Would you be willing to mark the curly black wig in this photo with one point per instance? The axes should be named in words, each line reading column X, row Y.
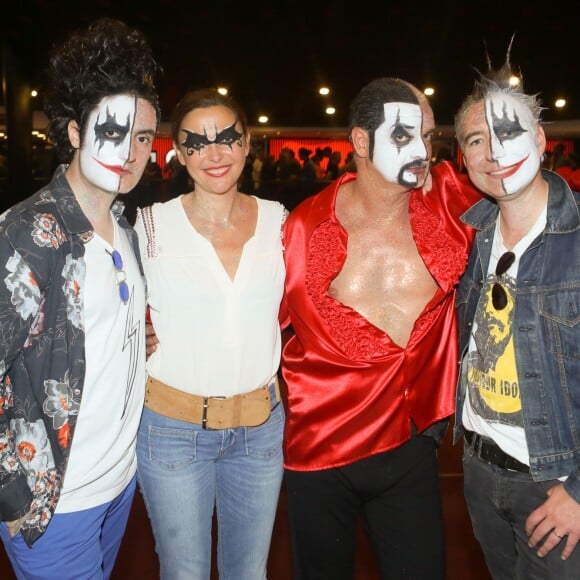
column 107, row 58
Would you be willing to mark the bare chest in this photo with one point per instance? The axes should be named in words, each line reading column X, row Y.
column 385, row 279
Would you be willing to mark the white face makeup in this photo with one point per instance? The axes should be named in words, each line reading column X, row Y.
column 117, row 142
column 512, row 141
column 400, row 154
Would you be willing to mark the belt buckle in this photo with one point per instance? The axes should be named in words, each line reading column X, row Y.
column 205, row 407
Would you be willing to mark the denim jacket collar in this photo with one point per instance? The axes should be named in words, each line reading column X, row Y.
column 563, row 214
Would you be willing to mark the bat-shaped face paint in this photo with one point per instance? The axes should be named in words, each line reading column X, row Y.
column 512, row 141
column 227, row 138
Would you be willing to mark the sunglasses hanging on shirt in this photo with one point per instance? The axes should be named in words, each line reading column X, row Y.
column 499, row 297
column 120, row 275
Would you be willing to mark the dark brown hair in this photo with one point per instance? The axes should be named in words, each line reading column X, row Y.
column 108, row 58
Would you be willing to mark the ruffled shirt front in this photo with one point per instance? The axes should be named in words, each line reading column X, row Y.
column 352, row 391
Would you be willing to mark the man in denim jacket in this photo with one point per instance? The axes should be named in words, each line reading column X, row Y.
column 518, row 402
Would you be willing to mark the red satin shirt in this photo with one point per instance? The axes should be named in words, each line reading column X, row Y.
column 351, row 390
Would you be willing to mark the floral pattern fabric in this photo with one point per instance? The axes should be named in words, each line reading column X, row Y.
column 42, row 365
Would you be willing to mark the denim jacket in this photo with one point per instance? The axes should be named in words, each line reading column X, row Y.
column 546, row 330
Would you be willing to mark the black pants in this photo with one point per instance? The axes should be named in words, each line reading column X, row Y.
column 397, row 495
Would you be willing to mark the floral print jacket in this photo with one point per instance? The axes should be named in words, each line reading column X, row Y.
column 42, row 365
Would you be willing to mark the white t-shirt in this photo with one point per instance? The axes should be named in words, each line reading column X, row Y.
column 102, row 458
column 217, row 336
column 493, row 405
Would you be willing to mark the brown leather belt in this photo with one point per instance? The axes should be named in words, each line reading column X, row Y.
column 245, row 410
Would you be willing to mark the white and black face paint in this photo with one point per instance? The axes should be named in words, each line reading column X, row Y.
column 512, row 141
column 400, row 153
column 107, row 143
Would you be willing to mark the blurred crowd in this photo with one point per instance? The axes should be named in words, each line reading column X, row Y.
column 288, row 179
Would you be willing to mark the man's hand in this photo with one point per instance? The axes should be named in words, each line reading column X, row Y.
column 557, row 520
column 151, row 340
column 428, row 184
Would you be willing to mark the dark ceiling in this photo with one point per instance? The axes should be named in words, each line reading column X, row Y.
column 273, row 55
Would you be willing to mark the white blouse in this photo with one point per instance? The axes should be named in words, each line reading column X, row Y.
column 217, row 336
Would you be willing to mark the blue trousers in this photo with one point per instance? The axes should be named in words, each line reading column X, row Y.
column 76, row 546
column 185, row 472
column 499, row 502
column 396, row 494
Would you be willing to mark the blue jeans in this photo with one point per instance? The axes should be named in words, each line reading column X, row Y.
column 76, row 546
column 184, row 471
column 499, row 502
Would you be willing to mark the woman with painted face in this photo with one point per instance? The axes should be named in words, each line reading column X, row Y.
column 211, row 432
column 518, row 304
column 72, row 298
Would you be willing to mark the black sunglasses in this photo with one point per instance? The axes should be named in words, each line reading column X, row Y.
column 498, row 293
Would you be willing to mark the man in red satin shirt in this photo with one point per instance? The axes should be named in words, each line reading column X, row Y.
column 371, row 367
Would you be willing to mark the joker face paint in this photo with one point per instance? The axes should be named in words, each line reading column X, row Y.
column 512, row 141
column 401, row 153
column 117, row 142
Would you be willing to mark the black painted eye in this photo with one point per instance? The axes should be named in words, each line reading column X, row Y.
column 506, row 129
column 401, row 136
column 111, row 130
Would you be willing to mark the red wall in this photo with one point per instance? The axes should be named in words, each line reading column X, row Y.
column 162, row 146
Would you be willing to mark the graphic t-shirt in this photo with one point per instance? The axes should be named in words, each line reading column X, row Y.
column 493, row 405
column 102, row 459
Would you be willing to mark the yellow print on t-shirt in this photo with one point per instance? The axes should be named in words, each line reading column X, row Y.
column 492, row 374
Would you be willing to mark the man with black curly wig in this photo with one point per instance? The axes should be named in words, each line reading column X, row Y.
column 72, row 315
